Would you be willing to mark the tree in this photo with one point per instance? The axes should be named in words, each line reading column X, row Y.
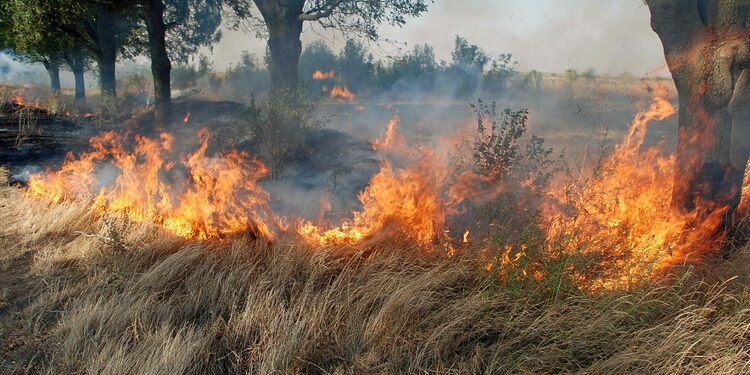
column 316, row 56
column 283, row 21
column 32, row 41
column 415, row 71
column 180, row 27
column 355, row 66
column 467, row 67
column 707, row 47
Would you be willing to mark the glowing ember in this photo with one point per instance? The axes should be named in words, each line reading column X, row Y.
column 196, row 196
column 186, row 119
column 342, row 93
column 318, row 75
column 466, row 237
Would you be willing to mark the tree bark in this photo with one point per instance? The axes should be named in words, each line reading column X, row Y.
column 706, row 45
column 107, row 54
column 161, row 66
column 76, row 61
column 284, row 24
column 80, row 80
column 53, row 70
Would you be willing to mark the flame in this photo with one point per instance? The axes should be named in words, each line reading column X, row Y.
column 196, row 196
column 622, row 217
column 342, row 93
column 318, row 75
column 619, row 219
column 404, row 202
column 186, row 119
column 390, row 138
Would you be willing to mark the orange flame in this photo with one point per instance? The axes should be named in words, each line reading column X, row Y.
column 318, row 75
column 623, row 217
column 198, row 196
column 342, row 93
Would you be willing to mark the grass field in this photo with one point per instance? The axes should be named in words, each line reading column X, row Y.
column 88, row 295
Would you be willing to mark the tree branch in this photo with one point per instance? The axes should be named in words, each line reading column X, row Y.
column 320, row 13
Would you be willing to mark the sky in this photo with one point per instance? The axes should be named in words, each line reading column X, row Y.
column 610, row 36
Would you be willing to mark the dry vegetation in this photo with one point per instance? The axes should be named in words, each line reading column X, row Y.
column 83, row 294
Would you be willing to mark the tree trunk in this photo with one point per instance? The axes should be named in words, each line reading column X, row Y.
column 53, row 70
column 76, row 62
column 107, row 56
column 161, row 66
column 80, row 82
column 284, row 45
column 706, row 47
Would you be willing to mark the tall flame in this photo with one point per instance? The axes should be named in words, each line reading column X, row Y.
column 622, row 217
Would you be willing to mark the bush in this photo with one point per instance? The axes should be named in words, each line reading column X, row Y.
column 278, row 126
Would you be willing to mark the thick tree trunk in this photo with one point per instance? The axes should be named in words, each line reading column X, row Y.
column 161, row 66
column 706, row 47
column 284, row 45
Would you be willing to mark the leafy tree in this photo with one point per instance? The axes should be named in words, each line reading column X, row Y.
column 179, row 27
column 417, row 70
column 355, row 65
column 33, row 40
column 283, row 22
column 467, row 67
column 497, row 78
column 316, row 56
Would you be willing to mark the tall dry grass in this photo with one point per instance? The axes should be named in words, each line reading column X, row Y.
column 169, row 306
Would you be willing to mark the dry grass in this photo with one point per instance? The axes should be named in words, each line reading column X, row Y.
column 167, row 306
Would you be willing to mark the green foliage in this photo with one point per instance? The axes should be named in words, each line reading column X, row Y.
column 316, row 56
column 360, row 17
column 185, row 76
column 417, row 70
column 498, row 78
column 246, row 78
column 355, row 66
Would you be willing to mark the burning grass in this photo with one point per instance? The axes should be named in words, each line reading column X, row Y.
column 611, row 229
column 454, row 264
column 171, row 305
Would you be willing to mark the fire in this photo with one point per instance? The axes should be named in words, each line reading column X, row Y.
column 622, row 218
column 196, row 196
column 404, row 202
column 342, row 93
column 391, row 138
column 618, row 220
column 186, row 119
column 318, row 75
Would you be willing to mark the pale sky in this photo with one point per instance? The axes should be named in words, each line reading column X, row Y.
column 610, row 36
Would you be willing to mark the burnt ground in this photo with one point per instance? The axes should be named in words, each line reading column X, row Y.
column 32, row 138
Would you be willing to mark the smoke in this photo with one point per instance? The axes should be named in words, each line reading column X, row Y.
column 14, row 72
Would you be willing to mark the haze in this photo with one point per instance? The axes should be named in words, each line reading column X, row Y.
column 610, row 36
